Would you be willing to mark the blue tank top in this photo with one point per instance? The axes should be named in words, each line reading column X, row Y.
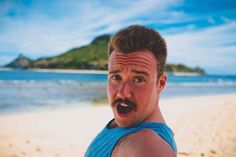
column 106, row 140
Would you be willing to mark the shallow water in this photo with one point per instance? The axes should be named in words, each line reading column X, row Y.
column 28, row 90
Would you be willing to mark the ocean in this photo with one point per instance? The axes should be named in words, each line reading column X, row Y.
column 23, row 91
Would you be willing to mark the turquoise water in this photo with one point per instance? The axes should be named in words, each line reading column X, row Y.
column 37, row 76
column 28, row 90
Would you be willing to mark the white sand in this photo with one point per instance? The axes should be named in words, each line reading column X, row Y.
column 203, row 126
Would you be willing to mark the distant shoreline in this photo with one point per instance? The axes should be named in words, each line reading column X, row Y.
column 186, row 74
column 6, row 69
column 86, row 71
column 81, row 71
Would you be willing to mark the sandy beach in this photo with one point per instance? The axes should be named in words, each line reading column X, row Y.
column 204, row 126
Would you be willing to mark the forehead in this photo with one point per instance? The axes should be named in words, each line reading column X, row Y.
column 139, row 59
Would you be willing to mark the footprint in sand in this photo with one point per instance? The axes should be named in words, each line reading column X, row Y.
column 183, row 153
column 10, row 145
column 23, row 153
column 213, row 151
column 213, row 139
column 38, row 149
column 57, row 155
column 234, row 139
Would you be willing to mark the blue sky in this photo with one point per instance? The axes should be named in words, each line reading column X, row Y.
column 197, row 32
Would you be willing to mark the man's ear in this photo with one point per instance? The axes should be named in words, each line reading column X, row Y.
column 162, row 82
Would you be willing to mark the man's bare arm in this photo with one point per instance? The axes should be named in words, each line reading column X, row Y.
column 142, row 144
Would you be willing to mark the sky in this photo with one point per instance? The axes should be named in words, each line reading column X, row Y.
column 198, row 32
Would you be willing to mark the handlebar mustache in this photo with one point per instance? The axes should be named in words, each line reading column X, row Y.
column 126, row 101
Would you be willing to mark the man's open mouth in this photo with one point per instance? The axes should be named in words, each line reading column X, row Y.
column 124, row 108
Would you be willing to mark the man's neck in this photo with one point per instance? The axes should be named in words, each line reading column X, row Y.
column 155, row 116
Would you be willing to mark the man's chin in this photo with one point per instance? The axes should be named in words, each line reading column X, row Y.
column 124, row 120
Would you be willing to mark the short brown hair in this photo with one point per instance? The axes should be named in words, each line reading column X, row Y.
column 138, row 38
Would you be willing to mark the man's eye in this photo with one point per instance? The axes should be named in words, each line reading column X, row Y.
column 116, row 77
column 138, row 80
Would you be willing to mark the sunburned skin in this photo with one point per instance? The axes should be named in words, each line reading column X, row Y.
column 134, row 77
column 144, row 143
column 144, row 60
column 133, row 92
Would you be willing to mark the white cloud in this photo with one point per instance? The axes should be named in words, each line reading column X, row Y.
column 42, row 35
column 207, row 47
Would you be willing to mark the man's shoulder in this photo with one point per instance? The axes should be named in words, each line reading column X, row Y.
column 143, row 143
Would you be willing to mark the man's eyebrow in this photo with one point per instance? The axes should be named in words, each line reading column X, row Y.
column 140, row 72
column 114, row 71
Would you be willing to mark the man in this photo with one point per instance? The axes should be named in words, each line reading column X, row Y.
column 136, row 77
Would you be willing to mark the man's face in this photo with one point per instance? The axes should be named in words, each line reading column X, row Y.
column 132, row 87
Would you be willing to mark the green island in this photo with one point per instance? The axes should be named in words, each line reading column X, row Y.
column 90, row 57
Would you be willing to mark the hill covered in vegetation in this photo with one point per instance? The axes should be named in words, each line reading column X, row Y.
column 92, row 56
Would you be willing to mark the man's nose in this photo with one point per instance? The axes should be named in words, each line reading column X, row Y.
column 124, row 90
